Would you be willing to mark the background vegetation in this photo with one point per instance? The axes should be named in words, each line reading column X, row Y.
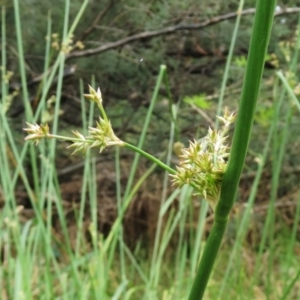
column 56, row 240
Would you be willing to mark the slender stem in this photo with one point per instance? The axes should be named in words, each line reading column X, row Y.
column 123, row 144
column 256, row 57
column 159, row 81
column 150, row 157
column 155, row 160
column 101, row 108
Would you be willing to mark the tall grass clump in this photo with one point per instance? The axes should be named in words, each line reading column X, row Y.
column 41, row 262
column 203, row 164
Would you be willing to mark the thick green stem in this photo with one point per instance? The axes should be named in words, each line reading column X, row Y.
column 205, row 268
column 256, row 58
column 255, row 65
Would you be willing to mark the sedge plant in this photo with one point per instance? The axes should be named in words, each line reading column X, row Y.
column 202, row 164
column 255, row 64
column 208, row 164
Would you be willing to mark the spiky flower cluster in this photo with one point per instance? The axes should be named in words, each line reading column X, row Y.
column 37, row 132
column 204, row 162
column 100, row 136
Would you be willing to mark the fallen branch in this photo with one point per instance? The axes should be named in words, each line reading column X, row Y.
column 172, row 29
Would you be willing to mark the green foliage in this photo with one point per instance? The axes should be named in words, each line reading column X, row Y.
column 198, row 100
column 241, row 61
column 264, row 114
column 72, row 245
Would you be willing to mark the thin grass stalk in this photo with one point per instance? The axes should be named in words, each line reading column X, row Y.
column 288, row 290
column 22, row 172
column 174, row 111
column 103, row 257
column 77, row 18
column 179, row 287
column 126, row 204
column 83, row 200
column 87, row 170
column 27, row 242
column 26, row 103
column 144, row 131
column 47, row 51
column 94, row 208
column 43, row 108
column 228, row 60
column 289, row 89
column 151, row 289
column 138, row 153
column 198, row 238
column 169, row 229
column 66, row 245
column 169, row 201
column 26, row 100
column 278, row 153
column 85, row 180
column 191, row 232
column 94, row 225
column 110, row 241
column 135, row 264
column 172, row 107
column 256, row 57
column 243, row 226
column 53, row 186
column 93, row 198
column 59, row 82
column 43, row 162
column 293, row 68
column 292, row 240
column 4, row 87
column 119, row 206
column 181, row 230
column 83, row 109
column 22, row 261
column 271, row 207
column 48, row 78
column 295, row 59
column 289, row 284
column 5, row 176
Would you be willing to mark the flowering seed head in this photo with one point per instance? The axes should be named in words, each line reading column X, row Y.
column 94, row 96
column 204, row 163
column 37, row 132
column 80, row 146
column 103, row 135
column 100, row 136
column 227, row 118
